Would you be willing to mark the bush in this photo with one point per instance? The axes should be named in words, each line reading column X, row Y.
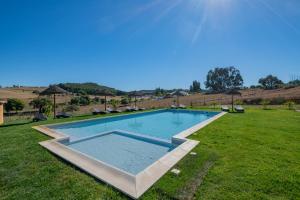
column 14, row 105
column 44, row 105
column 102, row 101
column 96, row 100
column 238, row 102
column 124, row 101
column 290, row 105
column 265, row 103
column 82, row 100
column 114, row 103
column 213, row 104
column 36, row 92
column 71, row 108
column 255, row 101
column 75, row 101
column 278, row 101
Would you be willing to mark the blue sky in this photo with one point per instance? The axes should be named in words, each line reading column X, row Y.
column 143, row 44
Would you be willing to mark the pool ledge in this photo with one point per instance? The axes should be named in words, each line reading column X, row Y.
column 132, row 185
column 199, row 126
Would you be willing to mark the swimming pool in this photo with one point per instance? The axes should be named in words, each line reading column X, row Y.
column 162, row 124
column 130, row 152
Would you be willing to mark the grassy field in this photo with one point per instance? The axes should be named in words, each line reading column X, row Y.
column 241, row 156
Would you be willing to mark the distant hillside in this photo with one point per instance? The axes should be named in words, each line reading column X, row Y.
column 88, row 88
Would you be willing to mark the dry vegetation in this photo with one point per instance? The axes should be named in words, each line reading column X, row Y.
column 249, row 94
column 26, row 94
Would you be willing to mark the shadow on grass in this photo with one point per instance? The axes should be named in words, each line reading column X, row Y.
column 233, row 112
column 15, row 124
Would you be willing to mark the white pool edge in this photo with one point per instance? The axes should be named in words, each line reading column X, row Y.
column 132, row 185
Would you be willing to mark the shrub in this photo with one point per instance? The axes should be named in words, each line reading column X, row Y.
column 36, row 92
column 278, row 101
column 290, row 105
column 213, row 104
column 265, row 103
column 71, row 108
column 75, row 101
column 192, row 105
column 44, row 105
column 124, row 101
column 238, row 102
column 96, row 100
column 102, row 101
column 14, row 105
column 114, row 103
column 82, row 100
column 255, row 101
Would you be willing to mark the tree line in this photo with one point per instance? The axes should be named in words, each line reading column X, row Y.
column 221, row 79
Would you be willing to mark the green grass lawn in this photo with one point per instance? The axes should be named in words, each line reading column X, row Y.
column 255, row 155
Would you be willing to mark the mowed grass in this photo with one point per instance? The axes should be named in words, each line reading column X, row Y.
column 255, row 155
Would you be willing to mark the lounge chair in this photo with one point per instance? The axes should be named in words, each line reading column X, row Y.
column 97, row 111
column 225, row 108
column 63, row 115
column 142, row 109
column 182, row 106
column 39, row 117
column 135, row 109
column 114, row 110
column 239, row 109
column 128, row 109
column 173, row 106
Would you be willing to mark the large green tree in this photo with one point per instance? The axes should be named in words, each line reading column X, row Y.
column 221, row 79
column 270, row 82
column 195, row 87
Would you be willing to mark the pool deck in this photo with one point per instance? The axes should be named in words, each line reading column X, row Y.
column 132, row 185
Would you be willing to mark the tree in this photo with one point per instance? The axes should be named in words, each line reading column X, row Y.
column 124, row 101
column 14, row 105
column 270, row 82
column 44, row 105
column 159, row 92
column 75, row 101
column 195, row 87
column 295, row 82
column 115, row 103
column 221, row 79
column 82, row 100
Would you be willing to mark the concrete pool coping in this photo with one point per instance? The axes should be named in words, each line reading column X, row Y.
column 132, row 185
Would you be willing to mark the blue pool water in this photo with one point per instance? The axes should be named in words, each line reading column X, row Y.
column 124, row 151
column 160, row 124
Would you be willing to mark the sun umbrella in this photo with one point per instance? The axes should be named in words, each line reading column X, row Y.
column 233, row 92
column 104, row 93
column 135, row 94
column 177, row 93
column 53, row 90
